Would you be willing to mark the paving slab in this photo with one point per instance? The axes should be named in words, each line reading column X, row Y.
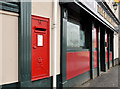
column 108, row 79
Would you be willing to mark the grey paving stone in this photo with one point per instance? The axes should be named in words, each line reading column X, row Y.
column 108, row 79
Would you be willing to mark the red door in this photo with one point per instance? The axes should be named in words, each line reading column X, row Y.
column 40, row 47
column 106, row 46
column 95, row 46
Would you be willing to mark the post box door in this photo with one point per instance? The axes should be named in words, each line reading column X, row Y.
column 40, row 48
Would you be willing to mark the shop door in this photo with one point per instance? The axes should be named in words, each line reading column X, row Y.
column 94, row 50
column 99, row 63
column 106, row 51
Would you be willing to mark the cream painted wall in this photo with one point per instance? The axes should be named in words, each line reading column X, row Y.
column 45, row 9
column 116, row 46
column 110, row 4
column 0, row 49
column 9, row 43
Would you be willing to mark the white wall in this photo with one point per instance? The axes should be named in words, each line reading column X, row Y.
column 9, row 47
column 110, row 4
column 116, row 46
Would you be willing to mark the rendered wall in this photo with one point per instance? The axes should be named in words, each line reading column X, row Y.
column 9, row 47
column 116, row 46
column 45, row 9
column 0, row 49
column 110, row 4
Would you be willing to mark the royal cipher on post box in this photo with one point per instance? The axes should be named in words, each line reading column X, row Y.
column 40, row 47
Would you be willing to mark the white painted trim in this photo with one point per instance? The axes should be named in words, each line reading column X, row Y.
column 9, row 82
column 50, row 48
column 41, row 15
column 55, row 43
column 8, row 13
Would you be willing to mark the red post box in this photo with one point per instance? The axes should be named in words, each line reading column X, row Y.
column 40, row 47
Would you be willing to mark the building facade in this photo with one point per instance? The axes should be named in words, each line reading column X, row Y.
column 39, row 52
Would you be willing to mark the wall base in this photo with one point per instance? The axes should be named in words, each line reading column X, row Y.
column 77, row 81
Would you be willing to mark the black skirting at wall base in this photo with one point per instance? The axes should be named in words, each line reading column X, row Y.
column 107, row 65
column 10, row 86
column 95, row 72
column 116, row 61
column 59, row 80
column 76, row 81
column 42, row 83
column 110, row 64
column 45, row 83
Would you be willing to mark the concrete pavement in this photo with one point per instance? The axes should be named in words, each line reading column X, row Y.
column 108, row 79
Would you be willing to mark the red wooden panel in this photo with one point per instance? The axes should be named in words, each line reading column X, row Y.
column 40, row 53
column 77, row 63
column 110, row 56
column 95, row 59
column 106, row 56
column 95, row 46
column 106, row 48
column 95, row 37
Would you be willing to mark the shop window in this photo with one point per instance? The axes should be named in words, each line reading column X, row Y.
column 77, row 37
column 73, row 35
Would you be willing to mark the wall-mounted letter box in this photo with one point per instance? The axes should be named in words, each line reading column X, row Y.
column 40, row 47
